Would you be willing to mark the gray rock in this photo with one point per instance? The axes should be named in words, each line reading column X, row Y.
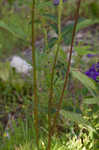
column 20, row 65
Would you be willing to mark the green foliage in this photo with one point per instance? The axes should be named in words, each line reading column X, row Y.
column 67, row 30
column 83, row 50
column 22, row 133
column 9, row 76
column 87, row 82
column 73, row 116
column 43, row 5
column 4, row 71
column 86, row 23
column 92, row 100
column 14, row 30
column 94, row 7
column 16, row 93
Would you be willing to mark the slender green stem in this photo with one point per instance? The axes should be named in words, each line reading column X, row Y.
column 46, row 40
column 53, row 70
column 34, row 77
column 45, row 36
column 66, row 79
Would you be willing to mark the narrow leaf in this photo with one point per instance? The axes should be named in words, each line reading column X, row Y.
column 94, row 100
column 14, row 30
column 72, row 116
column 86, row 23
column 86, row 81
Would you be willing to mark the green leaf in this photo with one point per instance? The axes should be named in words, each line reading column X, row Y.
column 67, row 33
column 73, row 116
column 43, row 5
column 94, row 9
column 14, row 30
column 4, row 71
column 17, row 84
column 50, row 17
column 67, row 39
column 94, row 100
column 82, row 23
column 67, row 29
column 52, row 42
column 83, row 50
column 86, row 23
column 86, row 81
column 7, row 75
column 54, row 27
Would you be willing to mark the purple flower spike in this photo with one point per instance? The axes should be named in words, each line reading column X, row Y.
column 90, row 55
column 64, row 1
column 93, row 72
column 56, row 2
column 97, row 66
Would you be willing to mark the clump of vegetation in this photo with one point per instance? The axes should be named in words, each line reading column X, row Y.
column 55, row 107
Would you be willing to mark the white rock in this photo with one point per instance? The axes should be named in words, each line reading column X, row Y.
column 85, row 59
column 79, row 35
column 52, row 34
column 20, row 65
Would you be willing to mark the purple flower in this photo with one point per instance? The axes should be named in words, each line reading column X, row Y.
column 97, row 66
column 93, row 72
column 56, row 2
column 90, row 55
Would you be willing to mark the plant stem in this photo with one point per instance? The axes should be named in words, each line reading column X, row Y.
column 53, row 69
column 66, row 78
column 45, row 36
column 34, row 77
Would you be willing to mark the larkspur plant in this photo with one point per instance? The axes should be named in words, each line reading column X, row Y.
column 56, row 2
column 93, row 72
column 32, row 115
